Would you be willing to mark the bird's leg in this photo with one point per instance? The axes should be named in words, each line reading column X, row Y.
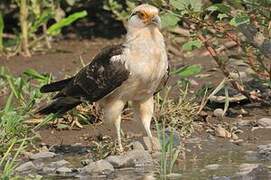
column 144, row 112
column 112, row 115
column 118, row 129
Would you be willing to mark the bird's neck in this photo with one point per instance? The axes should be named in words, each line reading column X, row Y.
column 150, row 33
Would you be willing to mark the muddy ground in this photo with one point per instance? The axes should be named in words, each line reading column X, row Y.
column 206, row 156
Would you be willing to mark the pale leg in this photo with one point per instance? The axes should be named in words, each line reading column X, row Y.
column 143, row 110
column 112, row 115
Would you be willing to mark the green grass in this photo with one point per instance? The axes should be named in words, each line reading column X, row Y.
column 22, row 93
column 174, row 114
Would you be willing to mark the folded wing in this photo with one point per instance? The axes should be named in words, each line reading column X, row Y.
column 91, row 83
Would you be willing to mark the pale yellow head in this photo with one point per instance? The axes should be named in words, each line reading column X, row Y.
column 144, row 15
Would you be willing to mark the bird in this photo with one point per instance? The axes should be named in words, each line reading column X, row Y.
column 132, row 71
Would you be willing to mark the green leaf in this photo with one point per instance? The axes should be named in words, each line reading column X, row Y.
column 239, row 19
column 223, row 8
column 2, row 25
column 34, row 74
column 221, row 16
column 191, row 45
column 13, row 87
column 188, row 71
column 44, row 18
column 56, row 28
column 194, row 5
column 180, row 5
column 169, row 20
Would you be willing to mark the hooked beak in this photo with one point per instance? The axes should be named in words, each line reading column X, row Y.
column 156, row 21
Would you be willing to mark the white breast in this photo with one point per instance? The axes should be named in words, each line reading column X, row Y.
column 145, row 58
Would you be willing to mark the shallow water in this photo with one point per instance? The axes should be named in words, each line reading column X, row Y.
column 204, row 158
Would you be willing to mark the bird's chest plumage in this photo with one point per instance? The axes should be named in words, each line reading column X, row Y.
column 147, row 64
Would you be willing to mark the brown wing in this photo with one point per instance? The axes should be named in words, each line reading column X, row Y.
column 91, row 83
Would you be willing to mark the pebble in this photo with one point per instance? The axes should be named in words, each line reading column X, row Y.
column 265, row 122
column 243, row 123
column 252, row 171
column 42, row 155
column 218, row 112
column 85, row 162
column 221, row 178
column 264, row 151
column 222, row 132
column 48, row 170
column 26, row 166
column 101, row 167
column 137, row 145
column 63, row 170
column 134, row 158
column 234, row 136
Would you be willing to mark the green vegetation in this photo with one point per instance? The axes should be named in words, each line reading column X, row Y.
column 35, row 30
column 22, row 94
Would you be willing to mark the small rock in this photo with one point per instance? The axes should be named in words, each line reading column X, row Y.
column 238, row 142
column 42, row 155
column 58, row 164
column 63, row 170
column 48, row 170
column 243, row 123
column 140, row 158
column 264, row 151
column 137, row 145
column 212, row 166
column 218, row 112
column 265, row 122
column 221, row 178
column 120, row 161
column 101, row 167
column 26, row 167
column 252, row 171
column 133, row 158
column 221, row 132
column 234, row 136
column 86, row 162
column 154, row 146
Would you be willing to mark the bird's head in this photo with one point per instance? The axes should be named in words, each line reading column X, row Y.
column 144, row 15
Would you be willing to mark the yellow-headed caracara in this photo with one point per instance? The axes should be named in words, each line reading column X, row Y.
column 131, row 71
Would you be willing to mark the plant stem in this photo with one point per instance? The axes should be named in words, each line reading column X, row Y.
column 24, row 28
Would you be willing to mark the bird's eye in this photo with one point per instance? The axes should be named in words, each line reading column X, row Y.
column 141, row 15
